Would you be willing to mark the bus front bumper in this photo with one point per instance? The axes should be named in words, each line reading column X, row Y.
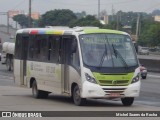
column 91, row 90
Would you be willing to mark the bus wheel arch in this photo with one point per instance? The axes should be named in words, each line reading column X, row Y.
column 36, row 92
column 76, row 95
column 31, row 81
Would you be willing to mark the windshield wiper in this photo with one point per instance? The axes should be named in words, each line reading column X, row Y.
column 116, row 52
column 103, row 56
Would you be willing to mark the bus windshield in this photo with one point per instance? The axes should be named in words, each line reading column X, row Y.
column 107, row 50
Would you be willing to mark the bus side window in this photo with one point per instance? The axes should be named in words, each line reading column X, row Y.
column 53, row 48
column 43, row 49
column 37, row 46
column 49, row 48
column 18, row 46
column 31, row 48
column 75, row 54
column 24, row 50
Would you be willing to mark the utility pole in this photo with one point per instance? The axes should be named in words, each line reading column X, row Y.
column 117, row 26
column 113, row 13
column 137, row 27
column 29, row 15
column 98, row 9
column 8, row 22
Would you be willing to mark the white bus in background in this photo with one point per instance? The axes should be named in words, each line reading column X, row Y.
column 80, row 62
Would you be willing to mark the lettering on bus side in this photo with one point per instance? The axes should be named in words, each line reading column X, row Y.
column 36, row 67
column 50, row 69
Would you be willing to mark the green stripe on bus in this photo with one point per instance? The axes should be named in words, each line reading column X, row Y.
column 116, row 79
column 55, row 32
column 88, row 31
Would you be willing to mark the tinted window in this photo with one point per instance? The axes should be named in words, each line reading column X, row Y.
column 18, row 46
column 21, row 47
column 53, row 48
column 44, row 48
column 38, row 47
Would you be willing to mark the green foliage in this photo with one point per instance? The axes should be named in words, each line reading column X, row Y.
column 111, row 25
column 22, row 20
column 89, row 20
column 80, row 15
column 151, row 35
column 57, row 18
column 144, row 23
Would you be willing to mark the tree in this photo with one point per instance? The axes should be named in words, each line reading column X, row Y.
column 22, row 20
column 89, row 20
column 111, row 25
column 80, row 14
column 151, row 36
column 57, row 18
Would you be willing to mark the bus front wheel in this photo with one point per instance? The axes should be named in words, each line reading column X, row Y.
column 77, row 97
column 127, row 101
column 38, row 93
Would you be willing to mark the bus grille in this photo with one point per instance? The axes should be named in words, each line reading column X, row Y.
column 113, row 82
column 108, row 91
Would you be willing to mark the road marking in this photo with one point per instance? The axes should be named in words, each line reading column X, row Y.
column 154, row 76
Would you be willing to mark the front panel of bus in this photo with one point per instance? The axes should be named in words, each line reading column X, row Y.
column 110, row 66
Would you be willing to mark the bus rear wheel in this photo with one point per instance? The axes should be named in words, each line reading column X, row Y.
column 127, row 101
column 38, row 93
column 77, row 97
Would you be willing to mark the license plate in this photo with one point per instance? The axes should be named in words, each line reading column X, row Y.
column 114, row 95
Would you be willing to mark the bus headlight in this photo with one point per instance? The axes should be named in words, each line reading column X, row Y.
column 90, row 79
column 135, row 79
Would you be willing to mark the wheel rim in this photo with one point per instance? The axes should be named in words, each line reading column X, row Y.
column 77, row 97
column 34, row 90
column 77, row 94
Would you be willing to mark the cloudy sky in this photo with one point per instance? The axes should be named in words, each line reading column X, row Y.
column 90, row 6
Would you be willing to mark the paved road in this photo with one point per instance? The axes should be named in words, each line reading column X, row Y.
column 13, row 98
column 150, row 56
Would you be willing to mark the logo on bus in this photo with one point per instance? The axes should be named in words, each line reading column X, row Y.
column 114, row 82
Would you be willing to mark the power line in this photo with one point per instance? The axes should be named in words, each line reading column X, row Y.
column 20, row 3
column 102, row 4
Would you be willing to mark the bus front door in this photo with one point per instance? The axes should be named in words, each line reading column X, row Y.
column 65, row 59
column 24, row 51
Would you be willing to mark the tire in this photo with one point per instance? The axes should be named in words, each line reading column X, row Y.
column 77, row 97
column 38, row 93
column 144, row 77
column 127, row 101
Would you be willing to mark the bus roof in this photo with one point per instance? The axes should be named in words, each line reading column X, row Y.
column 68, row 31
